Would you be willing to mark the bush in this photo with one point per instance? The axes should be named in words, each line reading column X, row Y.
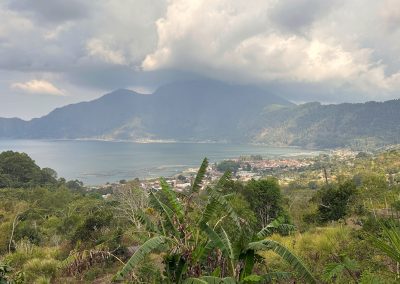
column 334, row 201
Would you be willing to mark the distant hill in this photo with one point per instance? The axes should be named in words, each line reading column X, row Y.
column 188, row 111
column 214, row 111
column 359, row 125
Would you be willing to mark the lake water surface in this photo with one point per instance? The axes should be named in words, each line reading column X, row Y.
column 97, row 162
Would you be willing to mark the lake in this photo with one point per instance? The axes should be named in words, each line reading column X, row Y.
column 98, row 162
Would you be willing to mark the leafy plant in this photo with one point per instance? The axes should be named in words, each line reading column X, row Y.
column 343, row 265
column 198, row 249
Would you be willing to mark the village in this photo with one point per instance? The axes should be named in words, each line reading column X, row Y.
column 244, row 168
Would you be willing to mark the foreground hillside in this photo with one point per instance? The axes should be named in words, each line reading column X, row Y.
column 334, row 222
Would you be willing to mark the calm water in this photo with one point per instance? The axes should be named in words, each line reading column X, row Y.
column 97, row 162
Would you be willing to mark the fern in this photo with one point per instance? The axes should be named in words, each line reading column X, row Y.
column 139, row 255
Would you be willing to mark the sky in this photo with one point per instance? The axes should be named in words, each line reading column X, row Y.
column 58, row 52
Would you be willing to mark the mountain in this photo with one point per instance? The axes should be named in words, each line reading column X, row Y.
column 215, row 111
column 359, row 125
column 185, row 111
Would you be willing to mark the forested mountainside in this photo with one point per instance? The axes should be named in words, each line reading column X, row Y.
column 328, row 126
column 190, row 111
column 214, row 111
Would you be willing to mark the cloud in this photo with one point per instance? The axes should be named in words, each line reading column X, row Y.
column 97, row 48
column 297, row 16
column 38, row 87
column 54, row 11
column 346, row 50
column 336, row 43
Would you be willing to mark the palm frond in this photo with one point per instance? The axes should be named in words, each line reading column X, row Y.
column 276, row 225
column 164, row 210
column 287, row 255
column 200, row 176
column 145, row 220
column 249, row 261
column 221, row 201
column 215, row 239
column 231, row 252
column 139, row 255
column 228, row 244
column 224, row 179
column 202, row 251
column 170, row 196
column 211, row 208
column 389, row 243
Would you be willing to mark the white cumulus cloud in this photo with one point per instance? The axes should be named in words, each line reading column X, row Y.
column 97, row 48
column 39, row 87
column 303, row 41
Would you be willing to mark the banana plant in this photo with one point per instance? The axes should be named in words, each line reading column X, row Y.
column 201, row 251
column 388, row 243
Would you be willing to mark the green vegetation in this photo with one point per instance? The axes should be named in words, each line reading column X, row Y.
column 228, row 165
column 330, row 126
column 19, row 170
column 336, row 221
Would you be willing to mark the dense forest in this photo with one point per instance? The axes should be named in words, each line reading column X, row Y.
column 335, row 221
column 361, row 126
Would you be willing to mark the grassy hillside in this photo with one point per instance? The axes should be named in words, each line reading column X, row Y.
column 307, row 230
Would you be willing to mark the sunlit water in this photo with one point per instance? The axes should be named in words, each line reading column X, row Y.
column 97, row 162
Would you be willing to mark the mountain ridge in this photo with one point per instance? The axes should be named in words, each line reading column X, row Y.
column 196, row 111
column 189, row 111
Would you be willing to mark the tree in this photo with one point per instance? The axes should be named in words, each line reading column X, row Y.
column 265, row 199
column 196, row 247
column 19, row 170
column 334, row 200
column 228, row 165
column 131, row 202
column 74, row 184
column 49, row 176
